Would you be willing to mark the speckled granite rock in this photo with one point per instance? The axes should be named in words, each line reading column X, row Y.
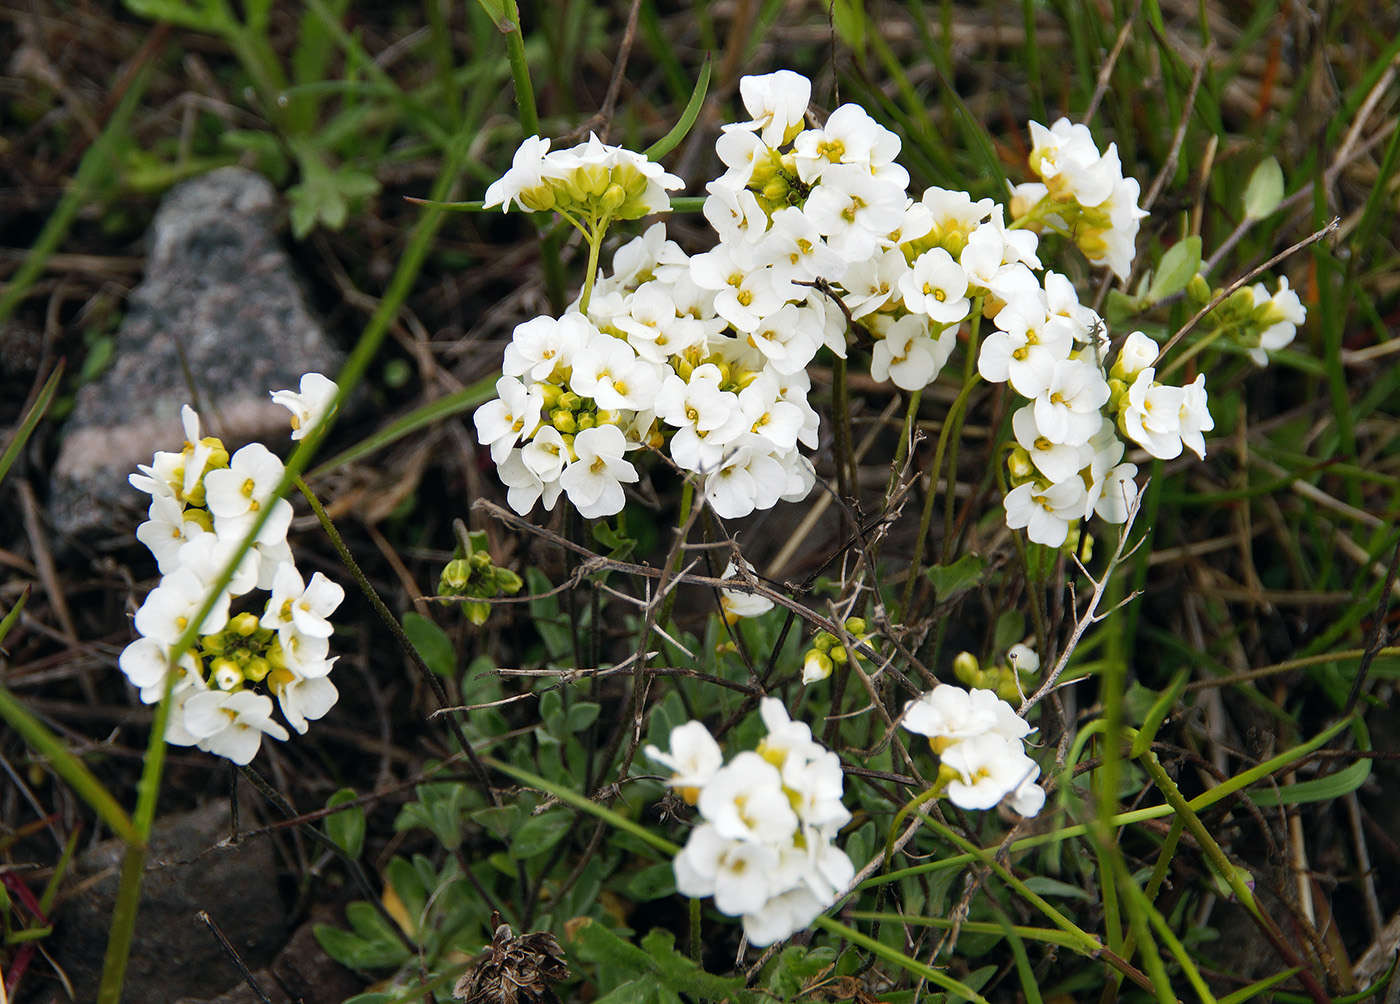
column 219, row 303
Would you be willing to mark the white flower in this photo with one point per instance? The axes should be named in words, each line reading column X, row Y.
column 511, row 417
column 1067, row 411
column 523, row 486
column 1066, row 159
column 525, row 178
column 310, row 406
column 796, row 250
column 171, row 606
column 543, row 348
column 850, row 136
column 990, row 767
column 594, row 480
column 694, row 758
column 948, row 714
column 734, row 871
column 146, row 664
column 303, row 698
column 1057, row 461
column 231, row 725
column 294, row 608
column 936, row 285
column 744, row 800
column 738, row 603
column 1138, row 353
column 854, row 210
column 1046, row 511
column 166, row 530
column 1195, row 417
column 1023, row 658
column 207, row 555
column 908, row 355
column 1283, row 313
column 749, row 478
column 1151, row 415
column 246, row 485
column 777, row 101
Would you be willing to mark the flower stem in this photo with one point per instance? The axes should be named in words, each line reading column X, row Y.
column 841, row 430
column 916, row 557
column 396, row 629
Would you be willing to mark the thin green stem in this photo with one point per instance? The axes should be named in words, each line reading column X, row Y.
column 920, row 541
column 594, row 235
column 951, row 496
column 396, row 629
column 841, row 430
column 520, row 72
column 906, row 434
column 682, row 523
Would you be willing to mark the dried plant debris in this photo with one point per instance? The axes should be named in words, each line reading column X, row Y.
column 515, row 970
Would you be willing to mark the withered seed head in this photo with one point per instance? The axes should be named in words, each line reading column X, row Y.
column 514, row 970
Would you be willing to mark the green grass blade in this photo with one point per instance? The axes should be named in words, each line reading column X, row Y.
column 613, row 819
column 31, row 421
column 935, row 976
column 435, row 411
column 678, row 132
column 68, row 766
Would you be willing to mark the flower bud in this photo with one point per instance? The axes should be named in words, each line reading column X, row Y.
column 817, row 666
column 244, row 624
column 965, row 668
column 455, row 577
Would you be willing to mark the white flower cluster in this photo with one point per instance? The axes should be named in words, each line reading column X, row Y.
column 979, row 740
column 764, row 850
column 1081, row 193
column 204, row 503
column 707, row 355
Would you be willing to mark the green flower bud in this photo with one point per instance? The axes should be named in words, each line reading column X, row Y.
column 455, row 577
column 477, row 612
column 507, row 581
column 966, row 668
column 855, row 625
column 257, row 669
column 244, row 624
column 1198, row 290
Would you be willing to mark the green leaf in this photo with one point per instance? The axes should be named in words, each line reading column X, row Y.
column 496, row 11
column 1178, row 267
column 1319, row 789
column 1120, row 307
column 652, row 882
column 539, row 833
column 201, row 17
column 326, row 196
column 1265, row 189
column 949, row 580
column 668, row 142
column 431, row 643
column 346, row 828
column 1044, row 885
column 621, row 546
column 580, row 716
column 372, row 945
column 498, row 819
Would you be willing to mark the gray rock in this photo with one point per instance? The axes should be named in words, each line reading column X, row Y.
column 173, row 954
column 218, row 322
